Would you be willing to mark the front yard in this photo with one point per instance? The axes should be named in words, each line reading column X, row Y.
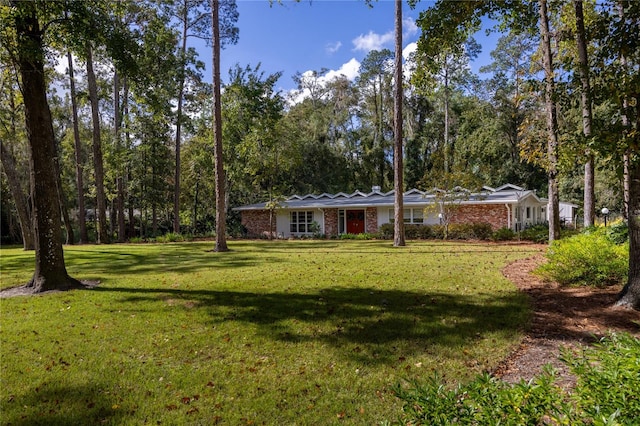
column 286, row 332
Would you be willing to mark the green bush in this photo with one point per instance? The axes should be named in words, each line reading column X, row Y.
column 170, row 237
column 385, row 231
column 484, row 401
column 503, row 234
column 618, row 232
column 606, row 393
column 363, row 236
column 608, row 379
column 537, row 234
column 586, row 259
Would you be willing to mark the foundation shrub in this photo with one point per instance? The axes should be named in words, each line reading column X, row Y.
column 503, row 234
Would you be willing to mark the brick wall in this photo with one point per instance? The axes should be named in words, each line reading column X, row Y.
column 371, row 220
column 257, row 222
column 494, row 214
column 331, row 222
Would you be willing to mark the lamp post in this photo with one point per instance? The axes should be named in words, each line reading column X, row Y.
column 605, row 213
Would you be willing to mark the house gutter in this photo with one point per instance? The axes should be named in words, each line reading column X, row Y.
column 508, row 206
column 324, row 230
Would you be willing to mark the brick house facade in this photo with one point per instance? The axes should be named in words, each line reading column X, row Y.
column 508, row 206
column 496, row 215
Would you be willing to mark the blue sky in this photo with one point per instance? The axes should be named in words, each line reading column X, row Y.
column 302, row 36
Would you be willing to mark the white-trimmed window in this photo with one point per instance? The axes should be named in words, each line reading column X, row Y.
column 410, row 216
column 300, row 221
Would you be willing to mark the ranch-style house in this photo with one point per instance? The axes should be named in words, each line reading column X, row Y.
column 508, row 206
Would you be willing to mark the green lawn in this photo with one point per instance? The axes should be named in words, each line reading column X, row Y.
column 276, row 333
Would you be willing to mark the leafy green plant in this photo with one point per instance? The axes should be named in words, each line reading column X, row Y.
column 586, row 259
column 503, row 234
column 608, row 379
column 485, row 400
column 606, row 393
column 170, row 237
column 537, row 234
column 618, row 232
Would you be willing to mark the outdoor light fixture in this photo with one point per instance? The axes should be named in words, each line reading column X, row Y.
column 605, row 213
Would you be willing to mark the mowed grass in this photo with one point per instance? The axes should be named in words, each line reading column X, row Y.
column 275, row 333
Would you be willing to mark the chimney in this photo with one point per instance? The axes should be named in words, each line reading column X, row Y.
column 375, row 188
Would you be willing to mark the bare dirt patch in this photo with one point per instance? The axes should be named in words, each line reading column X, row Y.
column 562, row 317
column 24, row 290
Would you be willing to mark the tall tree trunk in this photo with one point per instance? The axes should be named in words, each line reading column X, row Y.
column 626, row 158
column 82, row 218
column 585, row 99
column 63, row 208
column 101, row 204
column 50, row 270
column 117, row 122
column 445, row 152
column 221, row 208
column 19, row 197
column 552, row 125
column 176, row 191
column 128, row 192
column 398, row 169
column 630, row 295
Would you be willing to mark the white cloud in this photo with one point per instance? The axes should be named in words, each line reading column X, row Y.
column 409, row 27
column 349, row 69
column 372, row 41
column 333, row 47
column 409, row 49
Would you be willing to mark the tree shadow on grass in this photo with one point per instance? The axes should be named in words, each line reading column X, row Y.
column 176, row 259
column 54, row 404
column 365, row 323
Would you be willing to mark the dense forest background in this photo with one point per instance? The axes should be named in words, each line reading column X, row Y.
column 133, row 117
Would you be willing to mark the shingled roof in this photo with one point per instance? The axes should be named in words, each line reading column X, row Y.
column 505, row 194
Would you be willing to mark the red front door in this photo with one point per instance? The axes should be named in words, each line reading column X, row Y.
column 355, row 221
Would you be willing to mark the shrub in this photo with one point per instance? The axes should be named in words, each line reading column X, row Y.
column 606, row 393
column 537, row 234
column 385, row 231
column 503, row 234
column 608, row 379
column 618, row 232
column 586, row 259
column 170, row 237
column 486, row 400
column 363, row 236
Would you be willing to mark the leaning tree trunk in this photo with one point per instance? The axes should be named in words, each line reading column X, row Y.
column 19, row 198
column 552, row 126
column 585, row 90
column 398, row 226
column 50, row 270
column 82, row 220
column 101, row 204
column 221, row 208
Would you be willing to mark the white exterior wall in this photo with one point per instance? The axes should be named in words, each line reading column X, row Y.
column 283, row 222
column 385, row 215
